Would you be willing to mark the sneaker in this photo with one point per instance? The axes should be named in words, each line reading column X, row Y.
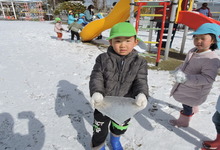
column 78, row 41
column 99, row 37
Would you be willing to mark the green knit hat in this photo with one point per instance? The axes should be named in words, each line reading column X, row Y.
column 122, row 29
column 57, row 19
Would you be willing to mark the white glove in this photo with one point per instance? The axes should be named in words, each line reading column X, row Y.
column 180, row 76
column 141, row 100
column 97, row 99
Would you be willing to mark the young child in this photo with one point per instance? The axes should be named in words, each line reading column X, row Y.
column 89, row 13
column 75, row 27
column 58, row 28
column 118, row 72
column 82, row 20
column 205, row 10
column 216, row 120
column 194, row 78
column 71, row 18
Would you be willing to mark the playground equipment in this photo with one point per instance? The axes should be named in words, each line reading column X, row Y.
column 191, row 19
column 26, row 10
column 180, row 13
column 6, row 8
column 120, row 13
column 162, row 16
column 194, row 19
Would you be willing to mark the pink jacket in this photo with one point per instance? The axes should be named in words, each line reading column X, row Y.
column 58, row 27
column 201, row 70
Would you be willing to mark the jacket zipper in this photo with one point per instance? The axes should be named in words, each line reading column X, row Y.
column 120, row 75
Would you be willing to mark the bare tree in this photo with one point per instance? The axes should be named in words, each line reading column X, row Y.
column 104, row 4
column 95, row 3
column 100, row 4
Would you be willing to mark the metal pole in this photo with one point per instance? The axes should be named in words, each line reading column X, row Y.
column 161, row 33
column 14, row 10
column 54, row 4
column 184, row 39
column 150, row 32
column 170, row 30
column 131, row 19
column 185, row 31
column 3, row 10
column 138, row 16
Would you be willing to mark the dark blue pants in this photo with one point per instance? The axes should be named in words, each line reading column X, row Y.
column 216, row 121
column 187, row 110
column 73, row 34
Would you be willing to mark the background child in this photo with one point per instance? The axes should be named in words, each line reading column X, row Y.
column 75, row 27
column 89, row 13
column 194, row 78
column 204, row 10
column 58, row 28
column 118, row 72
column 216, row 120
column 71, row 18
column 82, row 20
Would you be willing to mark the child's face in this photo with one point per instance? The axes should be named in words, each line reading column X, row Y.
column 203, row 42
column 123, row 45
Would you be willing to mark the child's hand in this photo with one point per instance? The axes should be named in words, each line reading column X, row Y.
column 97, row 99
column 141, row 100
column 180, row 76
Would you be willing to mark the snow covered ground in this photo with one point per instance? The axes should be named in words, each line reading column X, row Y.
column 44, row 96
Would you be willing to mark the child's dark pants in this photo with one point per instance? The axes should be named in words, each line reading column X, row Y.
column 100, row 128
column 216, row 121
column 73, row 34
column 187, row 110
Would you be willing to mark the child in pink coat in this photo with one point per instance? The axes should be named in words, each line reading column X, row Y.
column 58, row 28
column 194, row 78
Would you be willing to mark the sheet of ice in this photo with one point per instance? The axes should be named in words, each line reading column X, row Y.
column 119, row 109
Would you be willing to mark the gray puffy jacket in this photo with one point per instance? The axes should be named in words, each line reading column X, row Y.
column 115, row 75
column 75, row 27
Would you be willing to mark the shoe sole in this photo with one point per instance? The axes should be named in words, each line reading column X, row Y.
column 208, row 147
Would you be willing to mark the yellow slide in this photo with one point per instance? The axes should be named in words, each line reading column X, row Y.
column 120, row 13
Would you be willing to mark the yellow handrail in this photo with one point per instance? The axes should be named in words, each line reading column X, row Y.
column 151, row 42
column 191, row 5
column 178, row 10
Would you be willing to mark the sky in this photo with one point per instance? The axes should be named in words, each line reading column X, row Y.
column 45, row 101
